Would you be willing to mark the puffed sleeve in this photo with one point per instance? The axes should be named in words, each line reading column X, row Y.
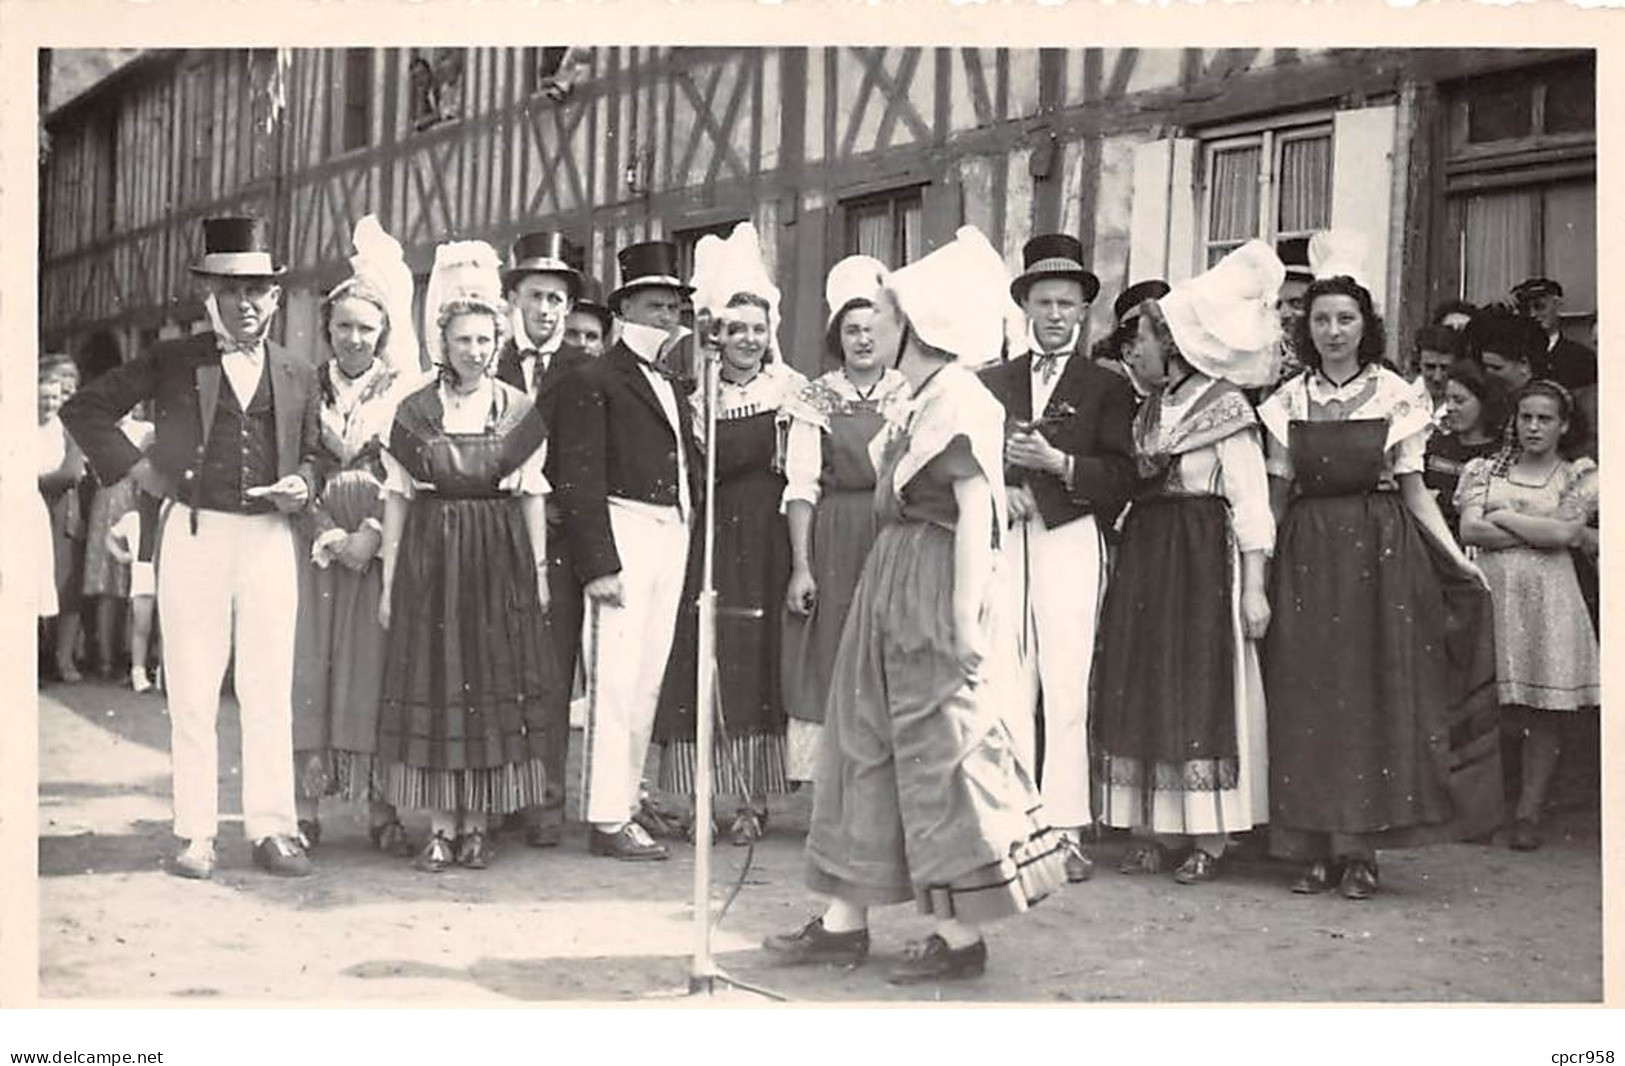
column 803, row 462
column 1579, row 497
column 396, row 479
column 1244, row 482
column 1472, row 489
column 527, row 479
column 1410, row 453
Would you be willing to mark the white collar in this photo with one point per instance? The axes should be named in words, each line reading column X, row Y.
column 1060, row 353
column 645, row 341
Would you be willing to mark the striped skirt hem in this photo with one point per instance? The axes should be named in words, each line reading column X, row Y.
column 743, row 766
column 493, row 790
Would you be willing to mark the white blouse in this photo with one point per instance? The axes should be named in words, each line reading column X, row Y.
column 1375, row 392
column 804, row 447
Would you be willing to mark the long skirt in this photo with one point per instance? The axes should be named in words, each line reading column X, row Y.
column 843, row 530
column 920, row 793
column 1379, row 669
column 468, row 665
column 1178, row 732
column 335, row 725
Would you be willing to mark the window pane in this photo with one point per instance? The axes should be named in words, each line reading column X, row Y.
column 1571, row 244
column 1233, row 189
column 868, row 231
column 1501, row 114
column 1305, row 185
column 911, row 215
column 1571, row 101
column 1500, row 243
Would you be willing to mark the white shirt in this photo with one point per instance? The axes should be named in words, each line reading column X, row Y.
column 243, row 370
column 645, row 342
column 1043, row 389
column 533, row 359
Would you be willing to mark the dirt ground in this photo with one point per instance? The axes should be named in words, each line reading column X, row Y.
column 1457, row 923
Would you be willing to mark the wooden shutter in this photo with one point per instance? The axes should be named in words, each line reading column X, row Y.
column 1163, row 228
column 943, row 205
column 1363, row 187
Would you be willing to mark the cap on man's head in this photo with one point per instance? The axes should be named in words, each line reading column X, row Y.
column 1534, row 288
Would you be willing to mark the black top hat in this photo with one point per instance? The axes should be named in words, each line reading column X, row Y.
column 591, row 301
column 547, row 252
column 1531, row 288
column 1294, row 255
column 651, row 264
column 1053, row 255
column 236, row 246
column 1137, row 294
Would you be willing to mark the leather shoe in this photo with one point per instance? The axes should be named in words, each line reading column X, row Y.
column 1323, row 875
column 437, row 855
column 932, row 959
column 812, row 943
column 1079, row 866
column 1198, row 868
column 310, row 833
column 195, row 861
column 390, row 838
column 659, row 824
column 473, row 850
column 629, row 843
column 283, row 856
column 1149, row 858
column 1360, row 879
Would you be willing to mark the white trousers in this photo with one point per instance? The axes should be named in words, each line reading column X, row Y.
column 1052, row 581
column 625, row 650
column 230, row 589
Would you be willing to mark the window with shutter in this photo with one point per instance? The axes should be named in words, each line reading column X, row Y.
column 1273, row 183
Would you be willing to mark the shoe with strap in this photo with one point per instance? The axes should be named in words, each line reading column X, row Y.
column 932, row 959
column 812, row 944
column 283, row 856
column 629, row 843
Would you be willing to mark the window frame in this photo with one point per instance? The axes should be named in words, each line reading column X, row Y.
column 345, row 105
column 1269, row 136
column 893, row 197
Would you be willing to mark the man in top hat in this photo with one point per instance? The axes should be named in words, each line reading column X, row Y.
column 235, row 452
column 628, row 482
column 1567, row 362
column 542, row 282
column 589, row 324
column 1070, row 471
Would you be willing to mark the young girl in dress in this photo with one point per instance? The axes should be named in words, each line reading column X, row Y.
column 1524, row 510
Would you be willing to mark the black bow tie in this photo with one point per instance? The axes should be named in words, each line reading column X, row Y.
column 1047, row 363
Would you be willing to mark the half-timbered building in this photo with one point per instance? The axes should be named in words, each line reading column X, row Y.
column 1466, row 169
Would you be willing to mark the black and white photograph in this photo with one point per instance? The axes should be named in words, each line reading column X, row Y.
column 816, row 524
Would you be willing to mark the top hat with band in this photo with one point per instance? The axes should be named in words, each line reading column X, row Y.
column 547, row 252
column 1049, row 256
column 649, row 265
column 236, row 246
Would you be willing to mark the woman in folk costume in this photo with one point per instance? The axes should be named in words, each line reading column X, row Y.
column 1379, row 663
column 1178, row 730
column 829, row 496
column 733, row 289
column 367, row 324
column 468, row 664
column 920, row 793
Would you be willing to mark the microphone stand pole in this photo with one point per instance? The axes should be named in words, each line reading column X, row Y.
column 703, row 973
